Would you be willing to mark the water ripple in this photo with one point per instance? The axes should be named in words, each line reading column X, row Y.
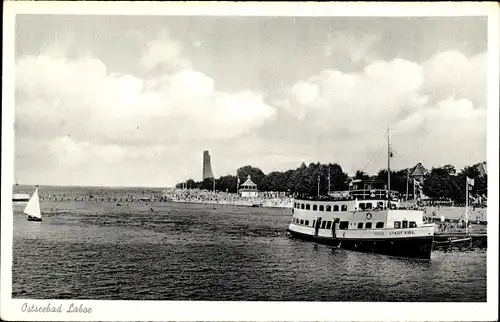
column 194, row 252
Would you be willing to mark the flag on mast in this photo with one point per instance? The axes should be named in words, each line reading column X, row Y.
column 329, row 179
column 470, row 182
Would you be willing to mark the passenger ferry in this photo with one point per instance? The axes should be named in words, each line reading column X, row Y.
column 365, row 218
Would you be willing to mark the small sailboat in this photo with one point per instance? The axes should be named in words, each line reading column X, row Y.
column 33, row 208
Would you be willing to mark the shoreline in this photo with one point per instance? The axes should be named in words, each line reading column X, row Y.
column 222, row 203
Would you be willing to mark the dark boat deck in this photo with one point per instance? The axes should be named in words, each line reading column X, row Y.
column 477, row 240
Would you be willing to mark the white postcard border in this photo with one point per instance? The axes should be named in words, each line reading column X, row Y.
column 249, row 311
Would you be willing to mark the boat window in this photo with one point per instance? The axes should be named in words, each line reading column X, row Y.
column 343, row 225
column 344, row 207
column 360, row 225
column 413, row 224
column 380, row 204
column 336, row 208
column 397, row 224
column 368, row 225
column 308, row 206
column 301, row 206
column 380, row 225
column 328, row 224
column 362, row 206
column 328, row 208
column 307, row 222
column 302, row 221
column 321, row 208
column 405, row 223
column 323, row 224
column 368, row 205
column 315, row 207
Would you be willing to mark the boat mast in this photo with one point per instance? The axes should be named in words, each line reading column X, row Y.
column 407, row 179
column 329, row 180
column 388, row 169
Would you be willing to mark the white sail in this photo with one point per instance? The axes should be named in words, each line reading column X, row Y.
column 33, row 206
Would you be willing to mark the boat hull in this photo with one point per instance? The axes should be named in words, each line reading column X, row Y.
column 411, row 247
column 32, row 218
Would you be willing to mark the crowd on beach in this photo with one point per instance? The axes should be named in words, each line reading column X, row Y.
column 100, row 198
column 265, row 199
column 451, row 226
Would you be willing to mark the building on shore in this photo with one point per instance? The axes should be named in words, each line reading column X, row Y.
column 248, row 188
column 207, row 166
column 417, row 174
column 482, row 169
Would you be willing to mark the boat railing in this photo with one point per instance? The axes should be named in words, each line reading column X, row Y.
column 360, row 194
column 321, row 198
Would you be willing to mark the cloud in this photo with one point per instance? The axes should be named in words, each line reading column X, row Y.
column 163, row 53
column 452, row 73
column 360, row 101
column 84, row 114
column 351, row 46
column 430, row 107
column 79, row 122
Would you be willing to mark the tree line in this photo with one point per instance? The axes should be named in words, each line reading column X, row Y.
column 445, row 183
column 441, row 183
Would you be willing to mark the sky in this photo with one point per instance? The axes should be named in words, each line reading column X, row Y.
column 134, row 100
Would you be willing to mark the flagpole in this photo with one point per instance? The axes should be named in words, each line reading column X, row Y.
column 414, row 193
column 318, row 185
column 466, row 204
column 407, row 178
column 329, row 180
column 388, row 170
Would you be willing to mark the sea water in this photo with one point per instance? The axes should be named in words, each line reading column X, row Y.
column 172, row 251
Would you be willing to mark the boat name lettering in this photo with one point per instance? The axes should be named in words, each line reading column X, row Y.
column 402, row 232
column 379, row 233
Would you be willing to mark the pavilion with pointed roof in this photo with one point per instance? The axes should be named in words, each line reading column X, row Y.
column 248, row 188
column 418, row 172
column 481, row 167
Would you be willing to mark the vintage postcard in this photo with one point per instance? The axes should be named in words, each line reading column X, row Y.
column 228, row 161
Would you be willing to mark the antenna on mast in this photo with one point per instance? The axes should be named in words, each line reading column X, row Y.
column 389, row 155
